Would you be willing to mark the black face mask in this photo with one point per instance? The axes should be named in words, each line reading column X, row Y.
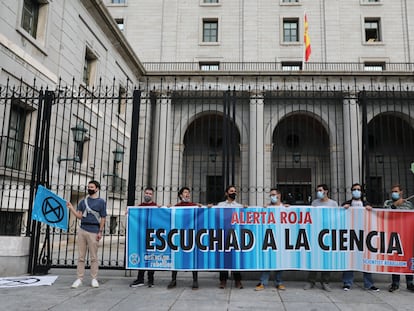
column 232, row 196
column 91, row 191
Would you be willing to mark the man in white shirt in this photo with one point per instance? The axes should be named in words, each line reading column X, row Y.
column 231, row 194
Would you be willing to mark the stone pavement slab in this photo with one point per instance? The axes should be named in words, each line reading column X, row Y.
column 114, row 293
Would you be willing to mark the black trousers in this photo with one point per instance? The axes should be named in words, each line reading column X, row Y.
column 174, row 275
column 224, row 275
column 150, row 276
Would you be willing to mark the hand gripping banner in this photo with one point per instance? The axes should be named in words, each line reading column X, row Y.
column 257, row 238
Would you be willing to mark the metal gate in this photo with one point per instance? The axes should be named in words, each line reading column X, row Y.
column 254, row 132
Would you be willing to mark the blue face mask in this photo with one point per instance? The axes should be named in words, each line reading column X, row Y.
column 274, row 199
column 395, row 196
column 356, row 194
column 320, row 194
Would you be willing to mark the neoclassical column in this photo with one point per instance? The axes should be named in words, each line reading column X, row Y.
column 352, row 142
column 176, row 168
column 335, row 170
column 268, row 164
column 243, row 177
column 162, row 149
column 256, row 150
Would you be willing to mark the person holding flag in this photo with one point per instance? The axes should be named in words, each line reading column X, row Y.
column 92, row 212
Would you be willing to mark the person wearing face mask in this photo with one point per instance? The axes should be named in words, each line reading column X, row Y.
column 348, row 276
column 148, row 201
column 322, row 199
column 92, row 212
column 398, row 202
column 275, row 201
column 185, row 200
column 231, row 195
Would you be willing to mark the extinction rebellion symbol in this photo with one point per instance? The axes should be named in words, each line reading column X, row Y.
column 53, row 210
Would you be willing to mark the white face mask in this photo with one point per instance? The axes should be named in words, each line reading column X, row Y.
column 395, row 196
column 274, row 199
column 320, row 194
column 356, row 194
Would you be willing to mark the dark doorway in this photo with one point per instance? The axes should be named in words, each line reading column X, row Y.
column 296, row 194
column 215, row 189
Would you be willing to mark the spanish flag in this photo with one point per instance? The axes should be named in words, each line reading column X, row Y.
column 306, row 39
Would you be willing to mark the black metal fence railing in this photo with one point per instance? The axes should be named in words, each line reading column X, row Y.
column 255, row 132
column 279, row 67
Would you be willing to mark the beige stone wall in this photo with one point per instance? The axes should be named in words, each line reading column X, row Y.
column 14, row 255
column 251, row 31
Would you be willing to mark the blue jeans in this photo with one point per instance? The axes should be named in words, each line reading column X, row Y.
column 264, row 278
column 396, row 279
column 348, row 278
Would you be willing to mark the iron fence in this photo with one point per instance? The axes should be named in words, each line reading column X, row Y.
column 204, row 133
column 347, row 68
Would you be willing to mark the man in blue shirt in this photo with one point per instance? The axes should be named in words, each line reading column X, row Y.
column 92, row 212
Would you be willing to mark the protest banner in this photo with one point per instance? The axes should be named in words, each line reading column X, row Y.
column 257, row 238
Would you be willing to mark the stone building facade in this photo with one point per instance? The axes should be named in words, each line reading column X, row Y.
column 358, row 80
column 224, row 96
column 71, row 57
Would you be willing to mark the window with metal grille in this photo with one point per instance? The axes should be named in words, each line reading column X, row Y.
column 10, row 223
column 14, row 145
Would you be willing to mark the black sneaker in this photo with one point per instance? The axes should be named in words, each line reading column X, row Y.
column 136, row 283
column 346, row 288
column 410, row 287
column 150, row 284
column 393, row 287
column 374, row 289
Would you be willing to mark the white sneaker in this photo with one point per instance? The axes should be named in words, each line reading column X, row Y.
column 77, row 283
column 94, row 283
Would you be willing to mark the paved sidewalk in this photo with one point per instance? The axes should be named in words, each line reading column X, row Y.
column 114, row 293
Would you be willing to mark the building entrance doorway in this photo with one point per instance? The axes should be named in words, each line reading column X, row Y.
column 296, row 194
column 215, row 189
